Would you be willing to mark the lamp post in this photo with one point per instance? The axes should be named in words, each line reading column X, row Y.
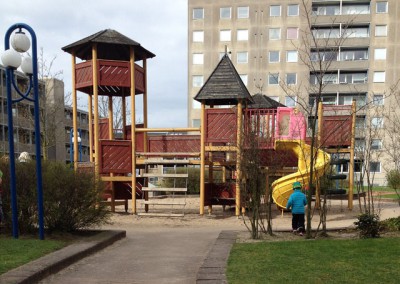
column 72, row 146
column 11, row 59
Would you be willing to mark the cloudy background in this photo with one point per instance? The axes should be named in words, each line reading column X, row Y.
column 158, row 25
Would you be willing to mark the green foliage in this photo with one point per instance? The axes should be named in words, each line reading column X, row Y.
column 368, row 225
column 393, row 179
column 391, row 224
column 319, row 261
column 71, row 200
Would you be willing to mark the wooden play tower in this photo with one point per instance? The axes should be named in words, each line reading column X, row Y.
column 113, row 66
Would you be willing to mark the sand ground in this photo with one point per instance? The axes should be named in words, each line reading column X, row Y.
column 338, row 216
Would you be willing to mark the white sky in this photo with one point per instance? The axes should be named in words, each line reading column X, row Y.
column 160, row 26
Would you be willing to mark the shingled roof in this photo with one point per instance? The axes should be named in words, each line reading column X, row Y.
column 111, row 45
column 224, row 86
column 263, row 102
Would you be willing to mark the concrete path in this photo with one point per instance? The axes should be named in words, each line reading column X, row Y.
column 153, row 255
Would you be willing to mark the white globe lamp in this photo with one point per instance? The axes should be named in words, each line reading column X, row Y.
column 20, row 42
column 11, row 58
column 26, row 65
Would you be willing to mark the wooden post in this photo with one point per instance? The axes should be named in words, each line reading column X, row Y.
column 145, row 121
column 133, row 128
column 238, row 157
column 74, row 114
column 90, row 112
column 352, row 145
column 319, row 143
column 110, row 119
column 123, row 117
column 111, row 137
column 96, row 107
column 202, row 157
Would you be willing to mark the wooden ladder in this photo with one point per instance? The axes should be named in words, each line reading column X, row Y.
column 171, row 183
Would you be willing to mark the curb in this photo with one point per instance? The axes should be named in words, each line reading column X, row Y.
column 213, row 269
column 38, row 269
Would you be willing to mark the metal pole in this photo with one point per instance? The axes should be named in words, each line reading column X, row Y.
column 34, row 82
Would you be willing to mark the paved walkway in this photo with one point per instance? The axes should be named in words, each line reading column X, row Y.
column 189, row 250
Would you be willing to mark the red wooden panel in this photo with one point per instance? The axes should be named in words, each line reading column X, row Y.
column 114, row 77
column 115, row 156
column 221, row 125
column 174, row 143
column 140, row 83
column 139, row 146
column 83, row 74
column 336, row 131
column 114, row 73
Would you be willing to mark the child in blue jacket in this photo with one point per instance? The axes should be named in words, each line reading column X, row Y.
column 296, row 203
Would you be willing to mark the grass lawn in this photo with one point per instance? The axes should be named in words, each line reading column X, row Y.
column 16, row 252
column 316, row 261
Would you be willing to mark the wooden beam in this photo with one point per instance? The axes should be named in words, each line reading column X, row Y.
column 202, row 158
column 133, row 126
column 74, row 114
column 189, row 129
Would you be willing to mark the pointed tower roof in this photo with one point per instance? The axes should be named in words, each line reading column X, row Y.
column 111, row 45
column 264, row 102
column 224, row 86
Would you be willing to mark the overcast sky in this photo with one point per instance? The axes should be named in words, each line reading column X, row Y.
column 160, row 26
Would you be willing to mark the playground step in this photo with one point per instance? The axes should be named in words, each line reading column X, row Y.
column 161, row 214
column 170, row 189
column 154, row 202
column 165, row 175
column 165, row 162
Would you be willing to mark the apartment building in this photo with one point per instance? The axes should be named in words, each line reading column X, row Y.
column 275, row 46
column 58, row 123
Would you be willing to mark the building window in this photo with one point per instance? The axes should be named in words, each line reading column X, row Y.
column 291, row 79
column 198, row 58
column 377, row 100
column 242, row 35
column 380, row 54
column 244, row 78
column 273, row 79
column 195, row 122
column 377, row 122
column 197, row 81
column 292, row 33
column 375, row 167
column 379, row 76
column 196, row 104
column 243, row 12
column 290, row 101
column 381, row 30
column 293, row 10
column 225, row 35
column 376, row 144
column 198, row 13
column 274, row 56
column 225, row 12
column 275, row 10
column 242, row 57
column 291, row 56
column 381, row 7
column 198, row 36
column 275, row 33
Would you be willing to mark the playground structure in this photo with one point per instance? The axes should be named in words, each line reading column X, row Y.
column 116, row 66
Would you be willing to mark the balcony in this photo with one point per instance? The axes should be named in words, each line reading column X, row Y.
column 113, row 78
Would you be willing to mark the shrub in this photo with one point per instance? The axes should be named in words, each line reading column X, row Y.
column 368, row 225
column 71, row 200
column 391, row 224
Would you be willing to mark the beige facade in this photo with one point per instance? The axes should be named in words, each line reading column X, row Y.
column 270, row 43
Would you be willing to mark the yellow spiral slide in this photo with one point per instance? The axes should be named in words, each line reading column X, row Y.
column 282, row 187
